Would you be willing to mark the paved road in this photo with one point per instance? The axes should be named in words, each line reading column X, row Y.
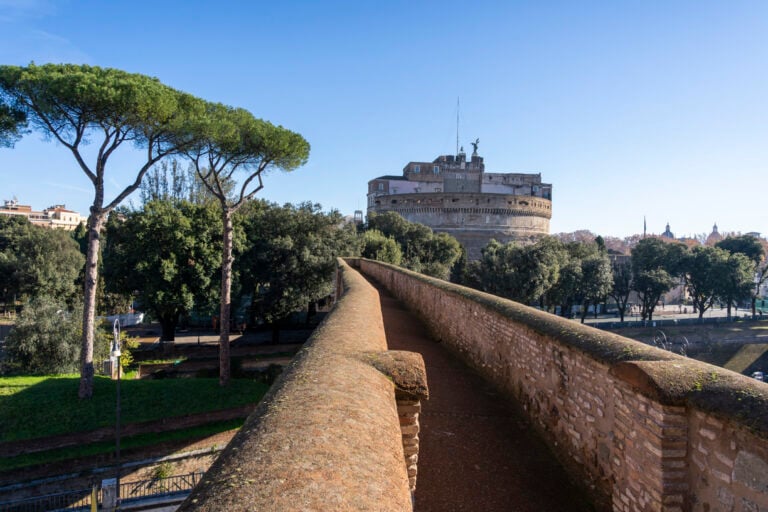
column 674, row 312
column 477, row 452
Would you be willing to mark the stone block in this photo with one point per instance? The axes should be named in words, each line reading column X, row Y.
column 752, row 471
column 707, row 433
column 408, row 409
column 410, row 430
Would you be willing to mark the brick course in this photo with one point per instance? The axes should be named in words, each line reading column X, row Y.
column 641, row 429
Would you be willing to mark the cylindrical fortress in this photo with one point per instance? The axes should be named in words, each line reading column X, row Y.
column 473, row 218
column 455, row 195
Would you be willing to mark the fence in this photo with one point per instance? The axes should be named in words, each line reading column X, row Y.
column 159, row 487
column 70, row 500
column 666, row 322
column 129, row 492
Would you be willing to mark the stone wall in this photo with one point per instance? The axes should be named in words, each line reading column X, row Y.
column 639, row 428
column 474, row 219
column 329, row 434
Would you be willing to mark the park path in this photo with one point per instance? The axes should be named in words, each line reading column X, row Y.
column 477, row 451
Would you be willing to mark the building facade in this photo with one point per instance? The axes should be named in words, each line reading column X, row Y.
column 456, row 196
column 56, row 216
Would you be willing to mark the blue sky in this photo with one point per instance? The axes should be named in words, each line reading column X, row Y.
column 630, row 109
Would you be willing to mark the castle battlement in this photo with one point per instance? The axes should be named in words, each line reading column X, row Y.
column 456, row 196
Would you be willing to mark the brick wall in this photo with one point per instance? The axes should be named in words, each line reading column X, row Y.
column 639, row 428
column 408, row 411
column 729, row 467
column 330, row 433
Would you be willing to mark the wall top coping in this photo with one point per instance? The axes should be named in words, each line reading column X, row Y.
column 327, row 435
column 664, row 376
column 406, row 369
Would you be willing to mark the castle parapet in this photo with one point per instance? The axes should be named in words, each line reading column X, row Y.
column 328, row 435
column 496, row 204
column 639, row 428
column 456, row 196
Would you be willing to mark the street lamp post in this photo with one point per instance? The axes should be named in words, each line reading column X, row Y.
column 758, row 280
column 116, row 353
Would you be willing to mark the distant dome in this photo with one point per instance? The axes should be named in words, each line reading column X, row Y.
column 714, row 236
column 668, row 233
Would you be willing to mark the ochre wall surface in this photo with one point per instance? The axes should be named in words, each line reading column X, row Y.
column 640, row 429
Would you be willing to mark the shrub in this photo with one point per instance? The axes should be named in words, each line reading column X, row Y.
column 46, row 337
column 103, row 346
column 162, row 471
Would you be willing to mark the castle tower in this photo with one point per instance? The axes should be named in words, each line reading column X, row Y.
column 456, row 196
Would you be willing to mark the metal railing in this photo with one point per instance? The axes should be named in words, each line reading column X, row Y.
column 129, row 492
column 70, row 500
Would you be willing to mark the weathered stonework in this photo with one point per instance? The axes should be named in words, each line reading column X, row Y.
column 408, row 412
column 729, row 466
column 455, row 196
column 409, row 375
column 334, row 432
column 639, row 428
column 652, row 440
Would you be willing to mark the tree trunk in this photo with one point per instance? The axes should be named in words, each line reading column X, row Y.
column 311, row 311
column 275, row 332
column 226, row 290
column 168, row 324
column 95, row 222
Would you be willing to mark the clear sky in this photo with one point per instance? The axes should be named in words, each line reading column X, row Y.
column 630, row 109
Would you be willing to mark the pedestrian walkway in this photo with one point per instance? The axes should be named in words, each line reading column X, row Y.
column 477, row 452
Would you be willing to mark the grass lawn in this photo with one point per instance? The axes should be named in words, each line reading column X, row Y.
column 138, row 441
column 32, row 407
column 746, row 356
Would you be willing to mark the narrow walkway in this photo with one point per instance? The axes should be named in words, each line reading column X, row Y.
column 477, row 452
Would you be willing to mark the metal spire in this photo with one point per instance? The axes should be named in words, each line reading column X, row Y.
column 457, row 125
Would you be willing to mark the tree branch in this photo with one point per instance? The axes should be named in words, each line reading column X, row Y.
column 243, row 199
column 129, row 189
column 259, row 170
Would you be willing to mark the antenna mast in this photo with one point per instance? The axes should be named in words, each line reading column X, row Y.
column 457, row 125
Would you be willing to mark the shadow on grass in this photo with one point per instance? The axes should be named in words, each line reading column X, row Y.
column 127, row 445
column 46, row 406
